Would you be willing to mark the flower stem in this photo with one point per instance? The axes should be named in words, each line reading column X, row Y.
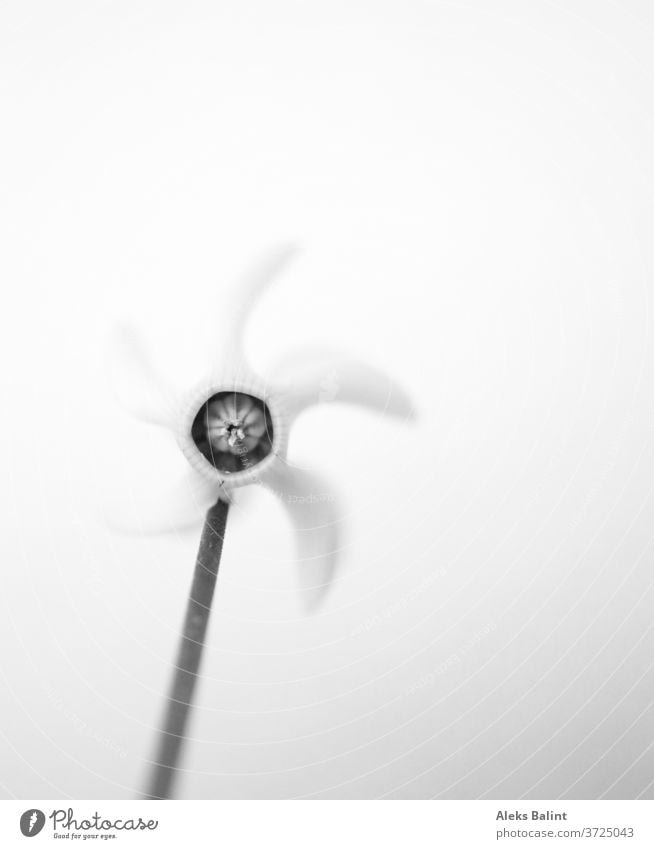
column 189, row 655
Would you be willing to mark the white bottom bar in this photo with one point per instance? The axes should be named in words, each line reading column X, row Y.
column 290, row 824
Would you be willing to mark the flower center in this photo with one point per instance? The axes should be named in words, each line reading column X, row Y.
column 233, row 431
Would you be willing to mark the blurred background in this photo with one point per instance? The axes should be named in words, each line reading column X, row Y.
column 471, row 184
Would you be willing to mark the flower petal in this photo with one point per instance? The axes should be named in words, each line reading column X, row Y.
column 322, row 377
column 311, row 506
column 240, row 301
column 136, row 383
column 183, row 506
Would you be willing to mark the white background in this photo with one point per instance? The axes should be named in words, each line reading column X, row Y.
column 472, row 186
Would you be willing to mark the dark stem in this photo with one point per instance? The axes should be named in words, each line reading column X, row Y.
column 189, row 655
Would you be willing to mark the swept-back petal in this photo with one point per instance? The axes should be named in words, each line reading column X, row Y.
column 311, row 505
column 182, row 506
column 239, row 301
column 139, row 387
column 315, row 376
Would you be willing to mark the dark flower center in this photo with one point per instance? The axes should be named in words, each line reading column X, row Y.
column 233, row 431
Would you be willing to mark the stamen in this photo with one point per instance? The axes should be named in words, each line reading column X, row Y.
column 235, row 433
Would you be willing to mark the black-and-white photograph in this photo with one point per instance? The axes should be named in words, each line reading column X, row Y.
column 328, row 431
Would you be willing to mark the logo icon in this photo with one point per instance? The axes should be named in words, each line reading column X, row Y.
column 32, row 822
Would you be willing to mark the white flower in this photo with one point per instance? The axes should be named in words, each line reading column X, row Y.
column 233, row 426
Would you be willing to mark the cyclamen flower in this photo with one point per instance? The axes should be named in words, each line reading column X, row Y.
column 233, row 426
